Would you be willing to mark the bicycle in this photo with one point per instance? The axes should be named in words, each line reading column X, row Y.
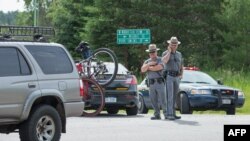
column 102, row 61
column 97, row 69
column 93, row 97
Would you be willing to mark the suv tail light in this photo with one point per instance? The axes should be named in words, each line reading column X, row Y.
column 132, row 80
column 79, row 67
column 81, row 88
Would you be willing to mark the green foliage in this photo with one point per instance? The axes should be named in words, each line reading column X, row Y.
column 192, row 22
column 24, row 19
column 68, row 18
column 8, row 18
column 236, row 35
column 27, row 17
column 237, row 58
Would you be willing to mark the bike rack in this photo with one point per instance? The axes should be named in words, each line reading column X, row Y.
column 25, row 33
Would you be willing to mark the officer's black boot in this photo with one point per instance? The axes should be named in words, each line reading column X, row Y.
column 177, row 117
column 155, row 118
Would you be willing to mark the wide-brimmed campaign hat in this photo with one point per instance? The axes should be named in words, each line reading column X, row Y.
column 174, row 40
column 152, row 48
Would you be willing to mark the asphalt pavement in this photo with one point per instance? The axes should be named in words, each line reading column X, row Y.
column 140, row 128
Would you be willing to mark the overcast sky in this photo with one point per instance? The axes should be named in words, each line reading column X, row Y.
column 11, row 5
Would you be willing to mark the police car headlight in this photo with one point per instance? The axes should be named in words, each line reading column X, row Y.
column 240, row 93
column 201, row 91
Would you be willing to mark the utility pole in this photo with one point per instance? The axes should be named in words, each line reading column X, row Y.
column 36, row 12
column 36, row 9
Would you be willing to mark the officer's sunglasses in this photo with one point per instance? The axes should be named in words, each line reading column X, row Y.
column 174, row 45
column 152, row 52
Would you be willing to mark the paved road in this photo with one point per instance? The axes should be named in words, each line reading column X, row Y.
column 141, row 128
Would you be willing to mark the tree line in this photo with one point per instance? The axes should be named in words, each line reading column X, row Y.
column 8, row 18
column 213, row 33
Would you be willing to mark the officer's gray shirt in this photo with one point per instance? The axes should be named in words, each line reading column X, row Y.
column 175, row 61
column 154, row 74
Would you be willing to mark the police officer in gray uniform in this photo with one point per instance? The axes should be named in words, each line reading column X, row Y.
column 173, row 66
column 154, row 66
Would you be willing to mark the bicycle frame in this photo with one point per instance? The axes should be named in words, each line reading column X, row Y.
column 100, row 67
column 94, row 63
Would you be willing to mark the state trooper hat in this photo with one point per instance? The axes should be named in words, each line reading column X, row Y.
column 174, row 40
column 152, row 48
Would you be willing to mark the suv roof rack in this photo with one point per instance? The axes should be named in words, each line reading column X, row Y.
column 25, row 33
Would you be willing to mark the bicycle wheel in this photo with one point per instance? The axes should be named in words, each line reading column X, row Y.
column 93, row 97
column 103, row 66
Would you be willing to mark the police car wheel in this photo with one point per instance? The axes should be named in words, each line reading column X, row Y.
column 112, row 110
column 231, row 111
column 132, row 111
column 142, row 109
column 184, row 104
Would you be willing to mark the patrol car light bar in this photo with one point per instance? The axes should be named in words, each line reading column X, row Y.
column 192, row 68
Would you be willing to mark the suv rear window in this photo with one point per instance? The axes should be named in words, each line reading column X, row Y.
column 12, row 62
column 51, row 59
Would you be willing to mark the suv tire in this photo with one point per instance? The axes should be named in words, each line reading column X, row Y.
column 44, row 118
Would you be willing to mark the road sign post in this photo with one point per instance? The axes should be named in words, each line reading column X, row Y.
column 133, row 36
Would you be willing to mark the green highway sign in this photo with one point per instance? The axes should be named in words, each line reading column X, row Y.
column 133, row 36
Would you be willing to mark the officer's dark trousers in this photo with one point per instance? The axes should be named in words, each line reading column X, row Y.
column 157, row 93
column 172, row 86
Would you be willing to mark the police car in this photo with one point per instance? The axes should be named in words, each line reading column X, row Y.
column 198, row 92
column 121, row 94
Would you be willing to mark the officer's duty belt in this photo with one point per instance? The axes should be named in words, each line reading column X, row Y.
column 173, row 73
column 153, row 80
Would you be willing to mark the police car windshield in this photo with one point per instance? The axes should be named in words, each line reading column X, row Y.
column 187, row 82
column 202, row 82
column 197, row 77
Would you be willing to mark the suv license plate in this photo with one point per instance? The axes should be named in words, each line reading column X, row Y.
column 226, row 101
column 110, row 100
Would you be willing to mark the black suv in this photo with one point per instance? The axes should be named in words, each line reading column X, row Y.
column 40, row 86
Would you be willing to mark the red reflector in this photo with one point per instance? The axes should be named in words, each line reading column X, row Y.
column 81, row 88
